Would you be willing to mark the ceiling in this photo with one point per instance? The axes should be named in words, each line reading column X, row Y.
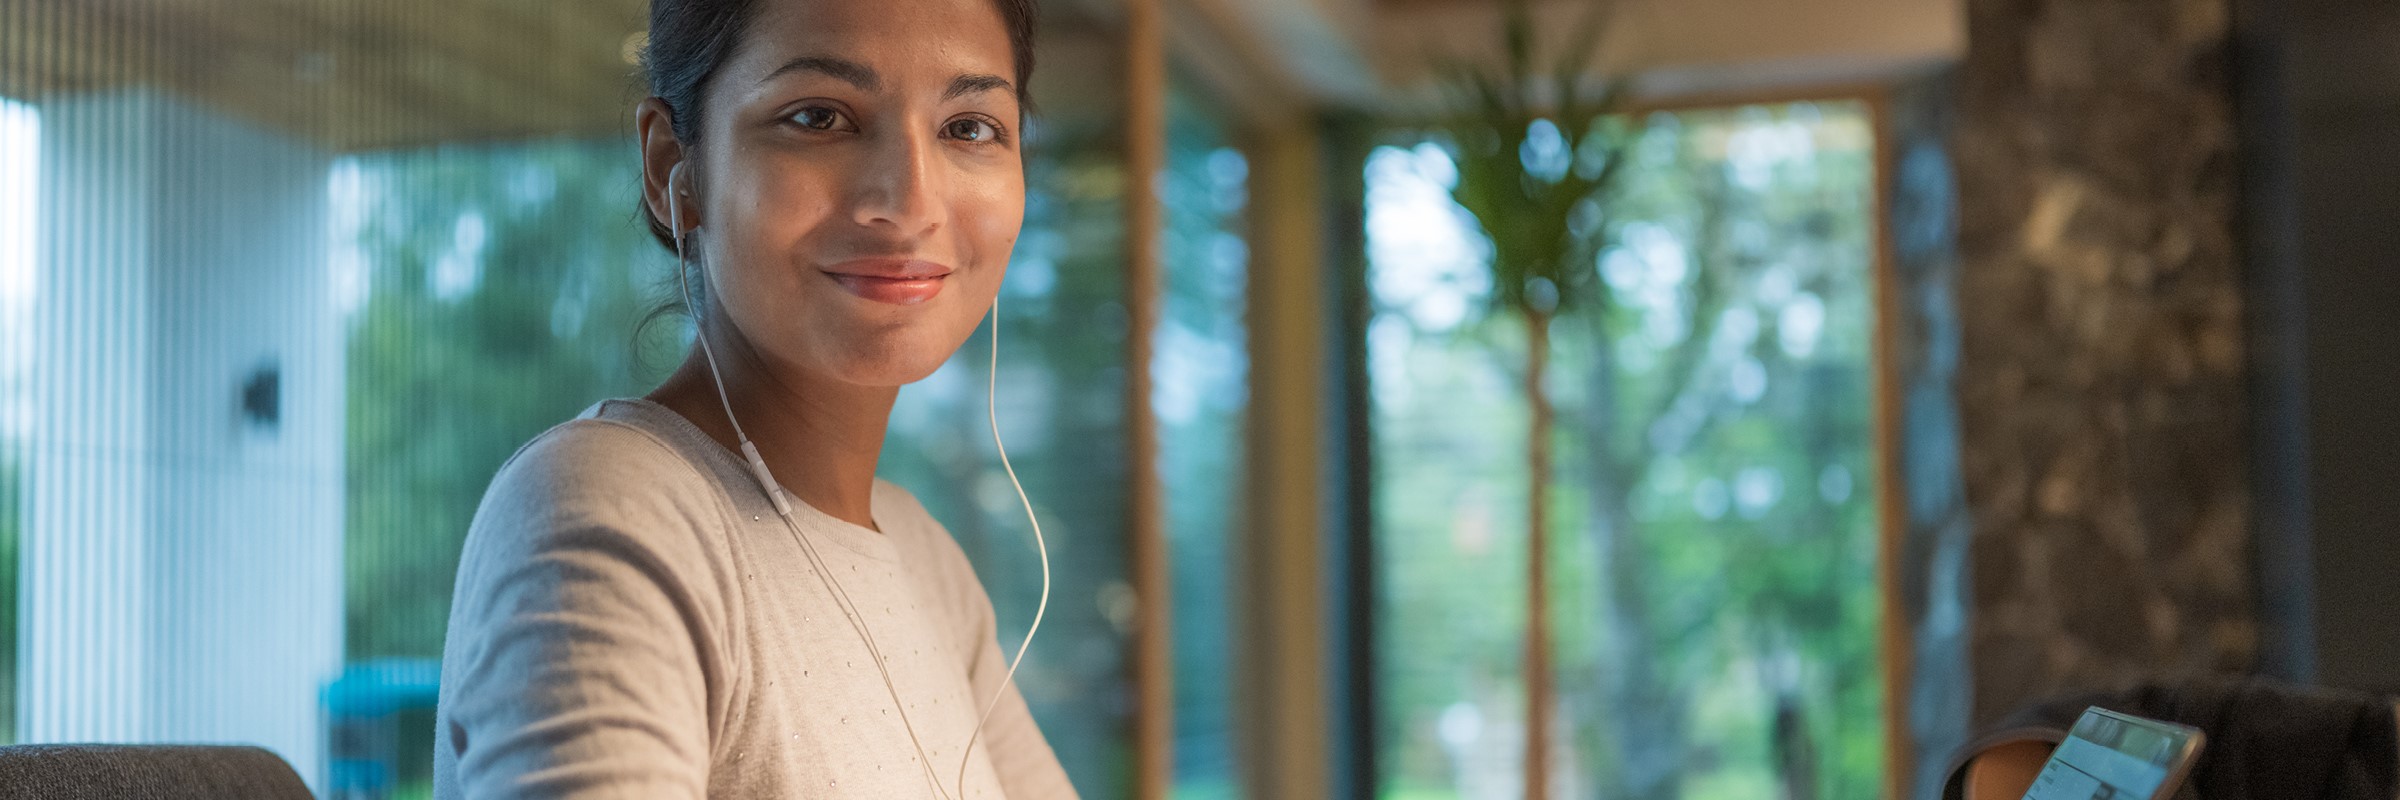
column 370, row 74
column 1379, row 53
column 351, row 74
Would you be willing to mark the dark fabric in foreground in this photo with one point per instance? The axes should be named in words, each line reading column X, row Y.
column 2266, row 740
column 146, row 772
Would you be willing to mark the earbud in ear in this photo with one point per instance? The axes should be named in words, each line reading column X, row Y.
column 674, row 201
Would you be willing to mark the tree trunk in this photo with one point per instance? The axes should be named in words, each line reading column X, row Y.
column 1645, row 708
column 1641, row 708
column 1795, row 748
column 1537, row 528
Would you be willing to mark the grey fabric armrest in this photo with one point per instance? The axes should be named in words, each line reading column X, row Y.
column 146, row 772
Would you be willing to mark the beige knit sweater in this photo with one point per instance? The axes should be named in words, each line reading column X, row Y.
column 632, row 620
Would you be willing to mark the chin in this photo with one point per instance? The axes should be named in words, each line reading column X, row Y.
column 893, row 359
column 888, row 374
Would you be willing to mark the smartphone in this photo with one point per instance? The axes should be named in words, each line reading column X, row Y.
column 2112, row 756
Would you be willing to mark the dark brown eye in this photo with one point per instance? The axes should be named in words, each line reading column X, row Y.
column 817, row 118
column 973, row 130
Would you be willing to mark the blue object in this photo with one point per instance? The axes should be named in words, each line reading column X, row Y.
column 384, row 685
column 360, row 706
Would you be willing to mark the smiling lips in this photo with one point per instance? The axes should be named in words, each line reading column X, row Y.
column 898, row 281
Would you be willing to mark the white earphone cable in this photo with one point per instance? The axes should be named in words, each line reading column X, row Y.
column 842, row 600
column 683, row 283
column 991, row 407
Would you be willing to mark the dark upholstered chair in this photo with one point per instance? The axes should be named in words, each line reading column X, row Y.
column 145, row 772
column 2266, row 740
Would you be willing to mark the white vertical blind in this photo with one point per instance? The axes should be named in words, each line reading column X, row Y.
column 179, row 471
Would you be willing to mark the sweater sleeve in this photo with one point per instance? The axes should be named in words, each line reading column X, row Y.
column 582, row 646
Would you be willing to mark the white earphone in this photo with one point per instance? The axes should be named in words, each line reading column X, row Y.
column 783, row 508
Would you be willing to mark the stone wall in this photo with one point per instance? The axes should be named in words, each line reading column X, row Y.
column 2100, row 384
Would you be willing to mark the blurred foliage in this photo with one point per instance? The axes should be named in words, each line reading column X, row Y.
column 1535, row 151
column 1201, row 394
column 501, row 287
column 1718, row 619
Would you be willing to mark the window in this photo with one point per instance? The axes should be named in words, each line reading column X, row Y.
column 1199, row 368
column 1714, row 579
column 20, row 185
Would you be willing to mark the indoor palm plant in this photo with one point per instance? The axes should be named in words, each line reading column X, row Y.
column 1537, row 150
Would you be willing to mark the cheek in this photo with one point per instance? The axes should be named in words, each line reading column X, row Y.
column 784, row 206
column 990, row 219
column 763, row 218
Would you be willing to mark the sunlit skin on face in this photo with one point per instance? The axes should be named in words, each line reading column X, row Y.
column 857, row 189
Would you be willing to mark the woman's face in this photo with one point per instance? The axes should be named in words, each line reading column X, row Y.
column 860, row 183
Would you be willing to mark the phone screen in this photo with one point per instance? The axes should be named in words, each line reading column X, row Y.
column 2111, row 756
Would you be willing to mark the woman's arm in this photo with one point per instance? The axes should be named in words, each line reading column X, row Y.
column 578, row 662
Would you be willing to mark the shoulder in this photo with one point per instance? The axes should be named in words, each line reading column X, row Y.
column 945, row 567
column 589, row 482
column 906, row 518
column 900, row 503
column 596, row 464
column 597, row 514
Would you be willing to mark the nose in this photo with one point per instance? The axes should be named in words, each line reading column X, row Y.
column 899, row 185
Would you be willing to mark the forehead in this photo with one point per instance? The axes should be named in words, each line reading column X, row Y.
column 903, row 40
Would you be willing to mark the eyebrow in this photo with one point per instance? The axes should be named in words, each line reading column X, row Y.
column 851, row 72
column 964, row 85
column 865, row 77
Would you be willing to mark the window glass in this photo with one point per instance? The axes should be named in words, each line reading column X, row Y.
column 1713, row 573
column 1199, row 369
column 20, row 186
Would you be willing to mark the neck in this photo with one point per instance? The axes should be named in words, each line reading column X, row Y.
column 820, row 437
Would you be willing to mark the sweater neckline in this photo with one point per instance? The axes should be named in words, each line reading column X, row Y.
column 859, row 539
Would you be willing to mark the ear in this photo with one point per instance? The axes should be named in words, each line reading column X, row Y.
column 662, row 153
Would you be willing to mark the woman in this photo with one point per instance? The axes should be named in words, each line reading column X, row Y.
column 634, row 615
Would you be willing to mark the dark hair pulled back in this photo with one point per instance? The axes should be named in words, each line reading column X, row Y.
column 690, row 39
